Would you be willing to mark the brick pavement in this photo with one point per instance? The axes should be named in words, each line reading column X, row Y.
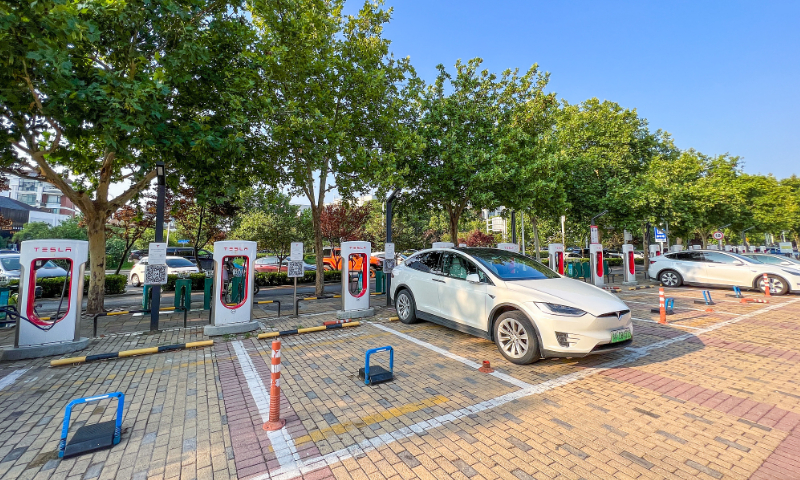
column 710, row 395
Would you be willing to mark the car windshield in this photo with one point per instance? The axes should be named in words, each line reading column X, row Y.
column 12, row 263
column 510, row 265
column 179, row 263
column 743, row 258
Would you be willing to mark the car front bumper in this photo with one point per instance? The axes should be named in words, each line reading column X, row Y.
column 585, row 335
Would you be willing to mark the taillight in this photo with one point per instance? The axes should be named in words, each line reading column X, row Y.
column 652, row 262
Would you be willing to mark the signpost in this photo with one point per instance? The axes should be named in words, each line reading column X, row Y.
column 155, row 272
column 295, row 268
column 659, row 235
column 183, row 242
column 388, row 259
column 786, row 247
column 595, row 237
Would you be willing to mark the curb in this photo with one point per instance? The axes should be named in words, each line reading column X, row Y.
column 129, row 353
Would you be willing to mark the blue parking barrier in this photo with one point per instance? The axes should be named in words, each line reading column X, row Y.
column 669, row 305
column 706, row 298
column 89, row 438
column 377, row 374
column 737, row 293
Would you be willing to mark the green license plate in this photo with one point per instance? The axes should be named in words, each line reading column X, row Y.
column 620, row 335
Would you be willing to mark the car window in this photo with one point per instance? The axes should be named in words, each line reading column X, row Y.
column 143, row 262
column 179, row 263
column 427, row 262
column 10, row 263
column 510, row 265
column 714, row 257
column 456, row 266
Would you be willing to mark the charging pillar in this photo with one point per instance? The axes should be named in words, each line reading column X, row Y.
column 234, row 275
column 43, row 333
column 628, row 265
column 596, row 262
column 556, row 253
column 355, row 281
column 655, row 250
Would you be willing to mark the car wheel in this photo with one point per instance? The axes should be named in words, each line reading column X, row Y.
column 777, row 285
column 670, row 278
column 135, row 280
column 515, row 338
column 406, row 308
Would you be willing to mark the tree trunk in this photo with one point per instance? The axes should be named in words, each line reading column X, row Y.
column 535, row 225
column 124, row 256
column 319, row 284
column 96, row 228
column 453, row 214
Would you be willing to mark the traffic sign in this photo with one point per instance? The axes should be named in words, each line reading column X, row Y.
column 183, row 241
column 660, row 236
column 718, row 235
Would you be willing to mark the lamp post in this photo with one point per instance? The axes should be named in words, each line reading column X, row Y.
column 744, row 238
column 389, row 203
column 719, row 242
column 155, row 304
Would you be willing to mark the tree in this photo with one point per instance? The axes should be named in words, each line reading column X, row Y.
column 340, row 222
column 94, row 93
column 337, row 95
column 202, row 221
column 128, row 224
column 771, row 207
column 274, row 226
column 477, row 238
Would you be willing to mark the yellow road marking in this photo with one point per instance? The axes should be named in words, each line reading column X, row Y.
column 343, row 427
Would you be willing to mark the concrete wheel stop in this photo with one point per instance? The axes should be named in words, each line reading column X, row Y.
column 230, row 329
column 46, row 350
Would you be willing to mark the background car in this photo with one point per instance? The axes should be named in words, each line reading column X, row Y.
column 712, row 267
column 175, row 265
column 270, row 264
column 774, row 259
column 529, row 311
column 206, row 258
column 398, row 257
column 10, row 267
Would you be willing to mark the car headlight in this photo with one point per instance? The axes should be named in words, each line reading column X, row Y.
column 793, row 272
column 563, row 310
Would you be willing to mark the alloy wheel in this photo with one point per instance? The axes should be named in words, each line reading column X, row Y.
column 513, row 338
column 775, row 284
column 403, row 306
column 669, row 279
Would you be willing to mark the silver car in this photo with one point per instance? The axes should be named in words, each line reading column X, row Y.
column 10, row 267
column 712, row 267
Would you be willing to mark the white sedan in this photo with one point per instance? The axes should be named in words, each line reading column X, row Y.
column 529, row 311
column 175, row 265
column 712, row 267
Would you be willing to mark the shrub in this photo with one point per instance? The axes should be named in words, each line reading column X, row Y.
column 198, row 282
column 52, row 286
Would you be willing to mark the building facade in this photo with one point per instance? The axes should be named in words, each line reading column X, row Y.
column 39, row 194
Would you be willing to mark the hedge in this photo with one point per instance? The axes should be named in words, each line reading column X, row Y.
column 612, row 262
column 268, row 279
column 52, row 286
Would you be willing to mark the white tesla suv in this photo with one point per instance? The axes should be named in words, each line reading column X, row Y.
column 528, row 310
column 712, row 267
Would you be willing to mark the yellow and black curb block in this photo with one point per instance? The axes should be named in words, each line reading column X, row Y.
column 296, row 331
column 129, row 353
column 642, row 287
column 612, row 289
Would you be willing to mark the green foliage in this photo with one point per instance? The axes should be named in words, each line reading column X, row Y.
column 70, row 228
column 271, row 223
column 115, row 248
column 53, row 286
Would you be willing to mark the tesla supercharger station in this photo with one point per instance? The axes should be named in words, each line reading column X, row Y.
column 728, row 248
column 596, row 262
column 509, row 247
column 442, row 245
column 676, row 248
column 628, row 265
column 556, row 254
column 355, row 281
column 234, row 275
column 655, row 250
column 55, row 331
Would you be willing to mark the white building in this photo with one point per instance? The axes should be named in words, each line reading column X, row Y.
column 39, row 194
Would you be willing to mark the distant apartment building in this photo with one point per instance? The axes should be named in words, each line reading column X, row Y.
column 39, row 194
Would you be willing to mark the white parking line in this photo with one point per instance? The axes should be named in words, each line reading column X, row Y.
column 670, row 325
column 282, row 443
column 370, row 444
column 441, row 351
column 11, row 378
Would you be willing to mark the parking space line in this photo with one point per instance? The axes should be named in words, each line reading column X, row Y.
column 370, row 444
column 282, row 443
column 669, row 324
column 453, row 356
column 11, row 378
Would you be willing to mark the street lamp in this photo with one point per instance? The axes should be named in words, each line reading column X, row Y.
column 155, row 304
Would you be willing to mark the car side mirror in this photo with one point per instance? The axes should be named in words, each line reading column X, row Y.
column 473, row 278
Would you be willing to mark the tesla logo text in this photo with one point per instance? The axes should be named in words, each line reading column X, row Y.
column 236, row 249
column 52, row 249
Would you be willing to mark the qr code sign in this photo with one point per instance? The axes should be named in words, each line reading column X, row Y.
column 295, row 269
column 155, row 275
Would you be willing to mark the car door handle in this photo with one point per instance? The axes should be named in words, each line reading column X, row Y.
column 437, row 280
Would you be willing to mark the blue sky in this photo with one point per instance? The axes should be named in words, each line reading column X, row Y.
column 719, row 76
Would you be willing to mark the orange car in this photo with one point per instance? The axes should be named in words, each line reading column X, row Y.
column 332, row 260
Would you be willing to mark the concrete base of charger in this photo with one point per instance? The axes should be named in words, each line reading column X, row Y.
column 348, row 314
column 230, row 329
column 48, row 350
column 630, row 284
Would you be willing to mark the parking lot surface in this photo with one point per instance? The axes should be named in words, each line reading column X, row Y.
column 711, row 394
